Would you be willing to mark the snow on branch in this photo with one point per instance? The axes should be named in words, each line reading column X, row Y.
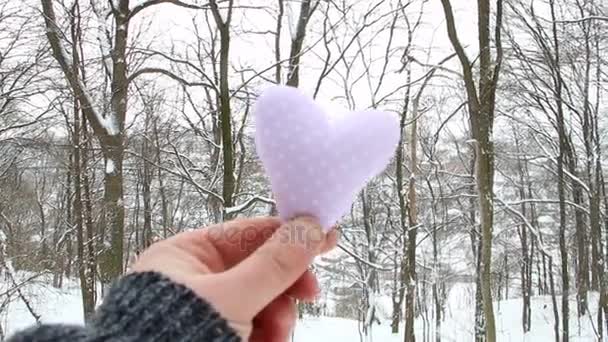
column 362, row 260
column 170, row 75
column 533, row 230
column 143, row 5
column 580, row 20
column 210, row 82
column 247, row 204
column 548, row 201
column 101, row 125
column 553, row 159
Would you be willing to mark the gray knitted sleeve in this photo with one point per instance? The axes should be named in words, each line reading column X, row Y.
column 142, row 307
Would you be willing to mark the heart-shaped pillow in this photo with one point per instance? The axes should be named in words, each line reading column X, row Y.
column 317, row 162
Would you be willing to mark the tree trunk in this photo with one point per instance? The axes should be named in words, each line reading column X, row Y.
column 146, row 183
column 114, row 150
column 563, row 147
column 480, row 322
column 526, row 263
column 224, row 104
column 371, row 280
column 476, row 242
column 161, row 183
column 485, row 184
column 582, row 243
column 79, row 168
column 108, row 128
column 481, row 102
column 554, row 302
column 589, row 131
column 403, row 216
column 90, row 242
column 396, row 294
column 410, row 276
column 297, row 43
column 112, row 264
column 277, row 41
column 88, row 300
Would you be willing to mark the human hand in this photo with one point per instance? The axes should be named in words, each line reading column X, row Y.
column 250, row 270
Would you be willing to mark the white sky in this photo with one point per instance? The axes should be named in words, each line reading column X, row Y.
column 172, row 24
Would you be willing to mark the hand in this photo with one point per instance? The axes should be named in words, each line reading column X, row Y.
column 250, row 270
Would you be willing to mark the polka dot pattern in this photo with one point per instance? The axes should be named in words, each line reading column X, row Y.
column 316, row 165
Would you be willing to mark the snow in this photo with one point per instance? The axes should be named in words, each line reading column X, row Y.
column 110, row 167
column 545, row 219
column 240, row 207
column 454, row 212
column 108, row 122
column 66, row 57
column 54, row 305
column 64, row 305
column 136, row 3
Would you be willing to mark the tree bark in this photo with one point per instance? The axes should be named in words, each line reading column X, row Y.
column 481, row 102
column 108, row 128
column 403, row 216
column 297, row 43
column 277, row 41
column 79, row 169
column 526, row 251
column 410, row 277
column 224, row 104
column 563, row 147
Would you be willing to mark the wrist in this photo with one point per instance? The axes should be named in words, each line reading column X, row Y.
column 150, row 306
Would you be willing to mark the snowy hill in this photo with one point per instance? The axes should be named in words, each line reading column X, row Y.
column 63, row 305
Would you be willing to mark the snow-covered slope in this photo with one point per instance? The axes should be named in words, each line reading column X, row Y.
column 64, row 306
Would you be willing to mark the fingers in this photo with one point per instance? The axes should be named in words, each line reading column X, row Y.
column 306, row 288
column 331, row 240
column 276, row 322
column 277, row 264
column 233, row 241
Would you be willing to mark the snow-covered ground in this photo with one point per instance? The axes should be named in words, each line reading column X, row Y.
column 64, row 306
column 458, row 325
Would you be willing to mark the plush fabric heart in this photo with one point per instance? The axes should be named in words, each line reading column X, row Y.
column 318, row 162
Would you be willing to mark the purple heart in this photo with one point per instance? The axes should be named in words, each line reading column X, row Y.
column 318, row 162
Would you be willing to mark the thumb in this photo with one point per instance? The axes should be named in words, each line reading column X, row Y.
column 278, row 263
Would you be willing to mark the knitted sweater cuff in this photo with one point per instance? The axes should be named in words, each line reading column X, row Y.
column 150, row 307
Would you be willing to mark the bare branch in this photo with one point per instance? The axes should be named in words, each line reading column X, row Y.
column 150, row 3
column 168, row 74
column 578, row 21
column 248, row 204
column 52, row 31
column 462, row 56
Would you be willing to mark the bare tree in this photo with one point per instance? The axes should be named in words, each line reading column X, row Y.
column 481, row 103
column 108, row 127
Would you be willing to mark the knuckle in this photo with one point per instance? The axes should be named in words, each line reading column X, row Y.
column 280, row 265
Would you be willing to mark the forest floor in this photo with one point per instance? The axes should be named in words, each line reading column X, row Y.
column 64, row 305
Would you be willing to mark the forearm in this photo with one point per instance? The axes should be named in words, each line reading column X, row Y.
column 142, row 307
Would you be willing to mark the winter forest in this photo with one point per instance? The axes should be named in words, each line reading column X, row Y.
column 123, row 122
